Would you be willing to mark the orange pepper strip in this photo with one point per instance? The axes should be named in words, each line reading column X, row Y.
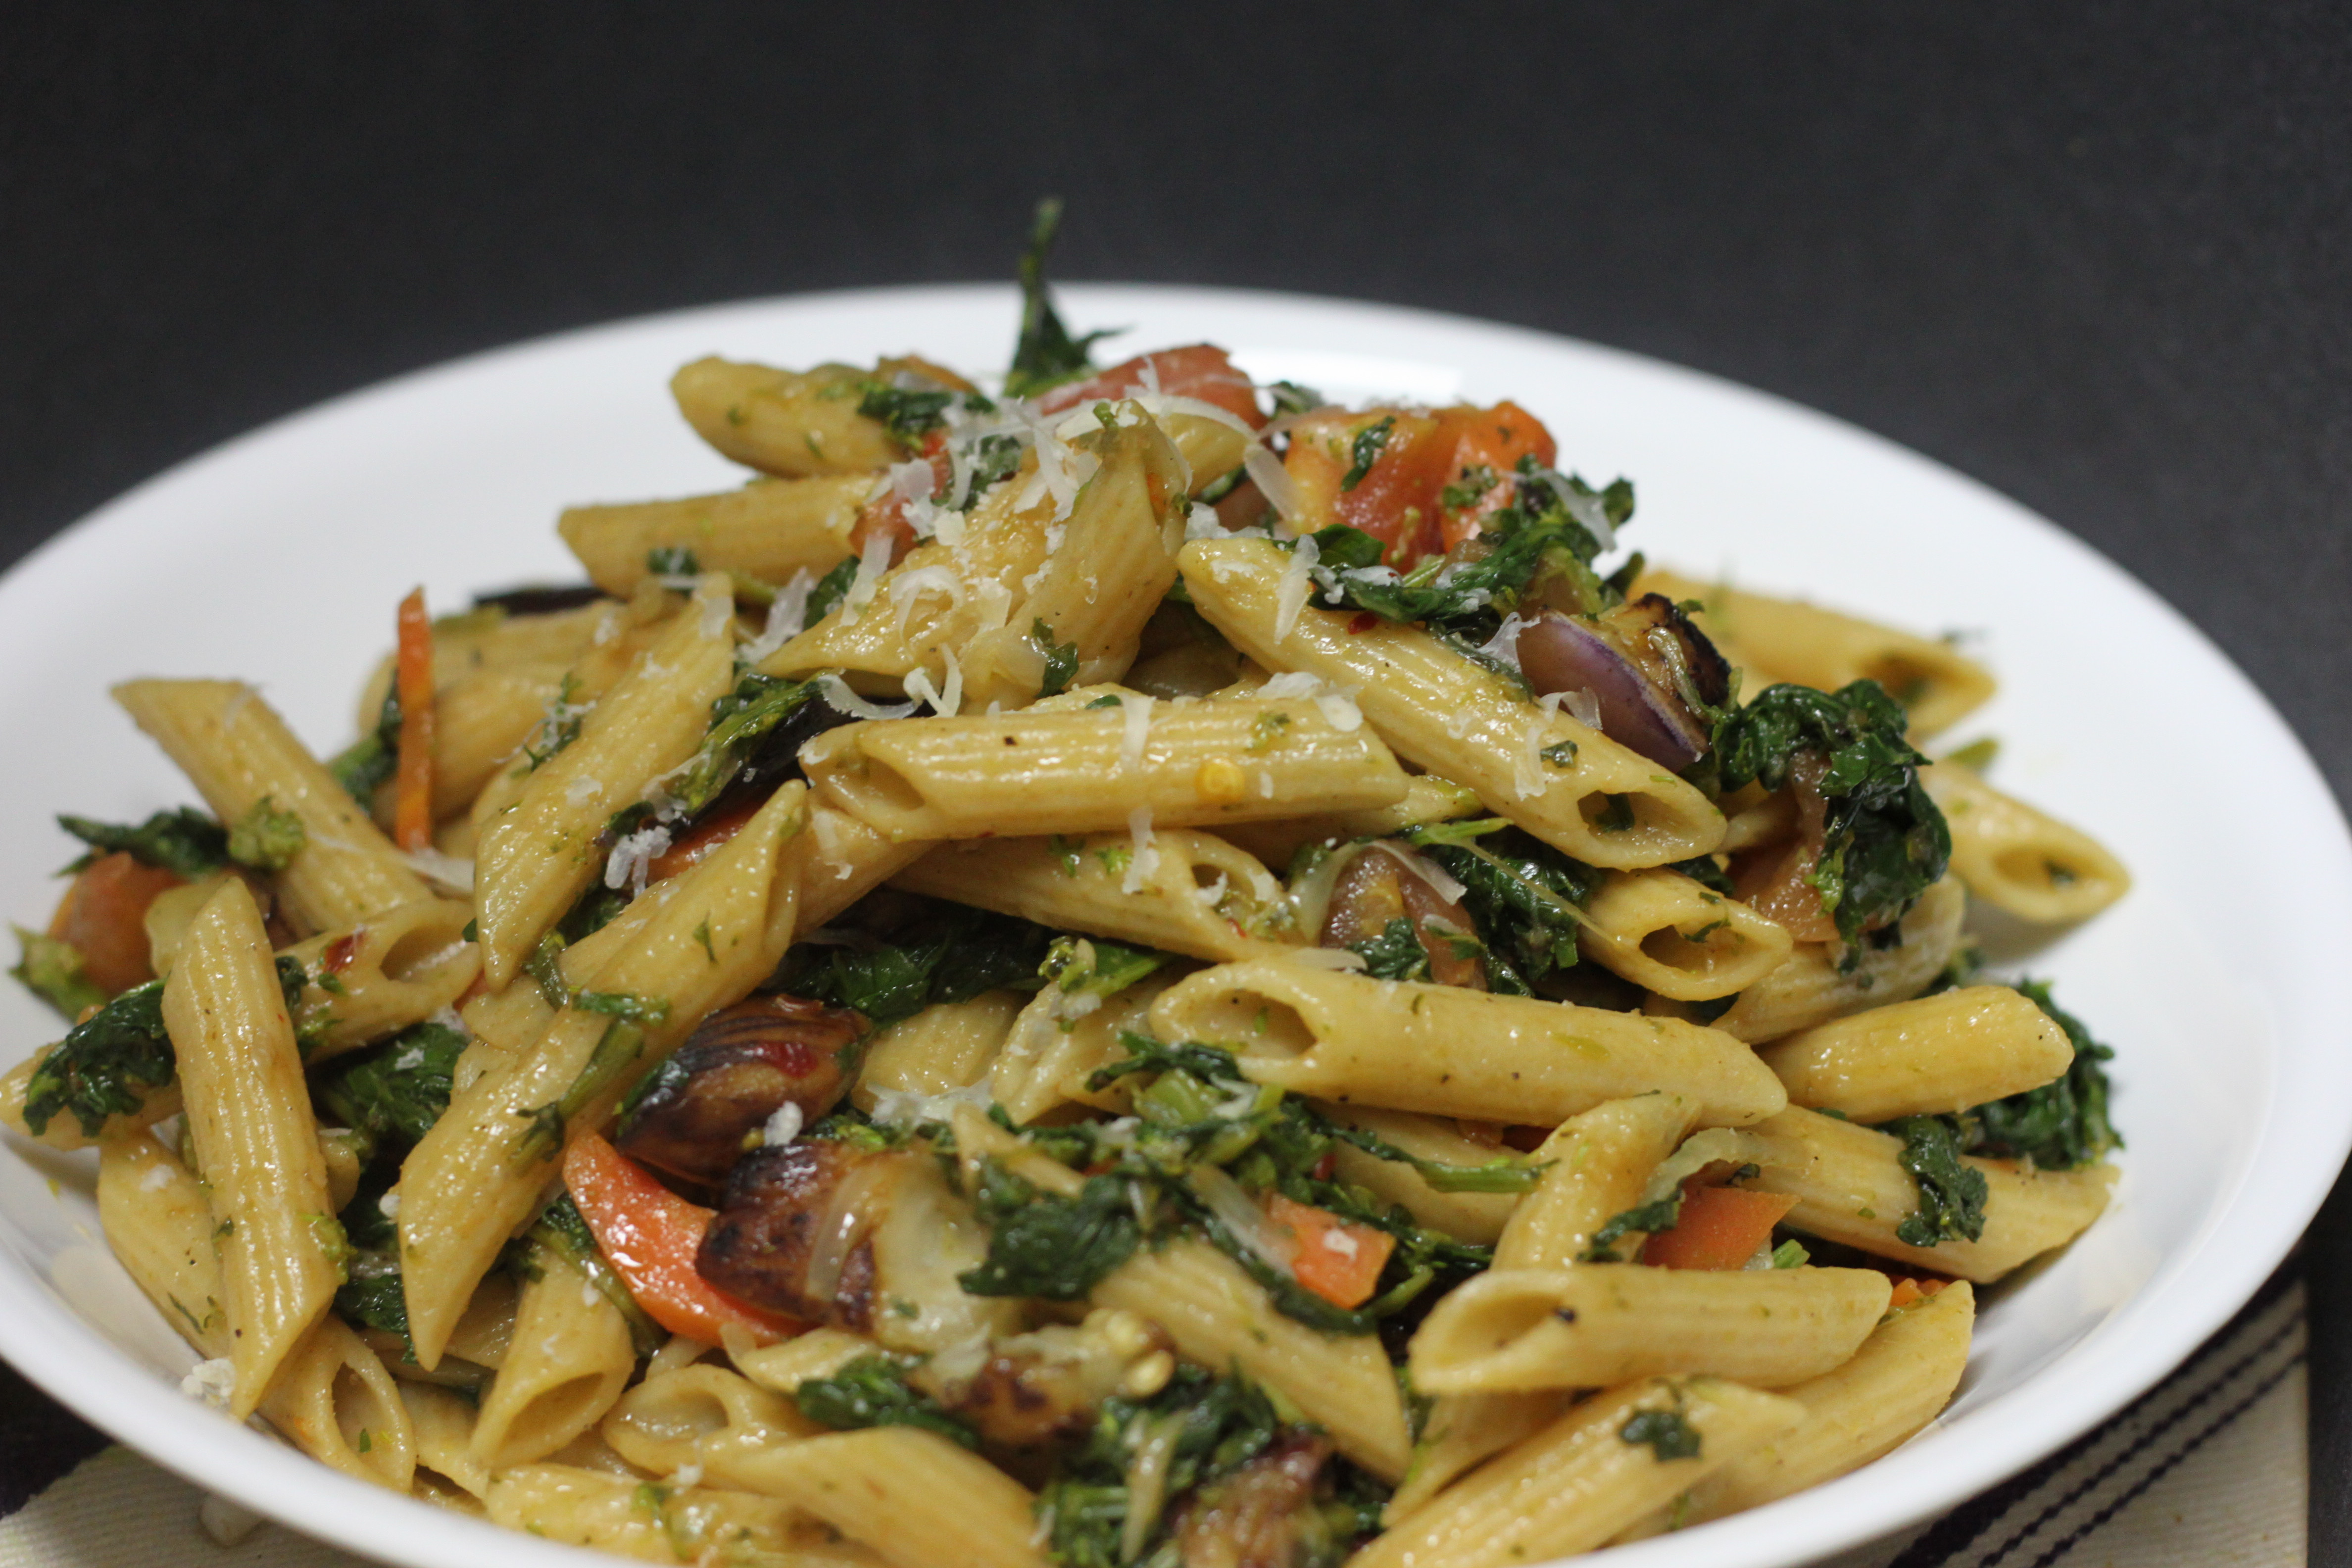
column 1721, row 1227
column 650, row 1236
column 1339, row 1261
column 412, row 801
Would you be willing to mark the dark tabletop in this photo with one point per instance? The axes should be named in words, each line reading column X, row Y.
column 2098, row 256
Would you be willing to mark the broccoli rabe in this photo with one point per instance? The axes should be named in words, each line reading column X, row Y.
column 185, row 842
column 52, row 970
column 872, row 1391
column 950, row 952
column 1047, row 356
column 394, row 1092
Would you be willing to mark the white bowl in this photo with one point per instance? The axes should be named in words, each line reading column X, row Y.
column 279, row 556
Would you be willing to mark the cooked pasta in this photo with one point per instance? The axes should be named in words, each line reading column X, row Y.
column 939, row 1011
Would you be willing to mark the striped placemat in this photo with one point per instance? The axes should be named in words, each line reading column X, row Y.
column 2209, row 1469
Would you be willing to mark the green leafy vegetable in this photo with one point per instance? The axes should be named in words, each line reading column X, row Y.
column 105, row 1065
column 1668, row 1433
column 1951, row 1195
column 1526, row 898
column 872, row 1391
column 558, row 729
column 369, row 763
column 1884, row 842
column 1289, row 397
column 1061, row 659
column 1365, row 450
column 951, row 953
column 394, row 1093
column 1043, row 1244
column 51, row 969
column 1093, row 966
column 909, row 414
column 673, row 561
column 627, row 1004
column 2060, row 1125
column 829, row 591
column 370, row 1297
column 264, row 837
column 1112, row 1502
column 1046, row 354
column 185, row 842
column 1395, row 954
column 1791, row 1254
column 544, row 1132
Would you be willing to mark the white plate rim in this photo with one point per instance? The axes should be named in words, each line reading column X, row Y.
column 57, row 1351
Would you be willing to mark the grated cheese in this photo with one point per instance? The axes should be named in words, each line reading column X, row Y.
column 873, row 560
column 1584, row 707
column 787, row 618
column 836, row 691
column 1274, row 482
column 213, row 1382
column 1528, row 777
column 1143, row 859
column 945, row 702
column 1297, row 585
column 634, row 855
column 1137, row 711
column 906, row 587
column 783, row 1126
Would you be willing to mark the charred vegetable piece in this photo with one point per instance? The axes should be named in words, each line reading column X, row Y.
column 1659, row 683
column 696, row 1114
column 1405, row 928
column 794, row 1231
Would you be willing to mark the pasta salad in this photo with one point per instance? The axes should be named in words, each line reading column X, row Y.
column 1119, row 966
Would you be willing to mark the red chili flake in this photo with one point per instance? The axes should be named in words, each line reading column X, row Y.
column 1364, row 621
column 342, row 951
column 1327, row 1164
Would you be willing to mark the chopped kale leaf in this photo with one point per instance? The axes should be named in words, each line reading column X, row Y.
column 1884, row 842
column 1289, row 397
column 2064, row 1124
column 1365, row 450
column 1043, row 1244
column 1526, row 897
column 369, row 763
column 1061, row 659
column 907, row 413
column 949, row 953
column 1951, row 1194
column 394, row 1092
column 1395, row 954
column 370, row 1297
column 872, row 1391
column 1668, row 1433
column 1046, row 354
column 829, row 590
column 105, row 1065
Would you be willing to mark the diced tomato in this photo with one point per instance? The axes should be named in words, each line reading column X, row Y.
column 1909, row 1291
column 1399, row 499
column 650, row 1236
column 888, row 515
column 714, row 830
column 103, row 916
column 1721, row 1227
column 1201, row 372
column 412, row 800
column 1339, row 1261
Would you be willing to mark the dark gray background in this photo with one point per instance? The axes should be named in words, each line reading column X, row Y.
column 2095, row 256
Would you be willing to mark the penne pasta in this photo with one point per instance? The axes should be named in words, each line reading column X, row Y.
column 770, row 529
column 1923, row 1058
column 2020, row 861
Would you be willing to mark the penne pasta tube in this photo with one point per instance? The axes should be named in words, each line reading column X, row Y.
column 475, row 1176
column 1103, row 576
column 377, row 977
column 1220, row 1317
column 769, row 529
column 913, row 1496
column 1572, row 787
column 1586, row 1477
column 538, row 856
column 332, row 1399
column 1596, row 1166
column 239, row 753
column 256, row 1140
column 942, row 1049
column 1180, row 891
column 1902, row 1376
column 443, row 1425
column 1850, row 1187
column 1601, row 1324
column 1408, row 1046
column 1028, row 774
column 1786, row 639
column 1460, row 1430
column 1466, row 1216
column 1048, row 1054
column 1427, row 798
column 2020, row 859
column 670, row 1421
column 568, row 1359
column 843, row 861
column 1812, row 986
column 781, row 422
column 623, row 1515
column 1668, row 934
column 1929, row 1056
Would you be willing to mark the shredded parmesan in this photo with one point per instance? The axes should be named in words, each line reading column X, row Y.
column 1423, row 867
column 1340, row 1241
column 1274, row 482
column 787, row 618
column 634, row 855
column 995, row 602
column 905, row 1108
column 828, row 844
column 583, row 790
column 156, row 1179
column 1584, row 707
column 213, row 1382
column 1527, row 778
column 1201, row 522
column 1297, row 583
column 783, row 1126
column 873, row 560
column 1143, row 858
column 946, row 701
column 1215, row 893
column 905, row 587
column 836, row 691
column 1504, row 645
column 445, row 869
column 717, row 607
column 1137, row 711
column 388, row 1205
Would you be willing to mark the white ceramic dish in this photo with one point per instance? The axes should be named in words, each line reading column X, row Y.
column 279, row 556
